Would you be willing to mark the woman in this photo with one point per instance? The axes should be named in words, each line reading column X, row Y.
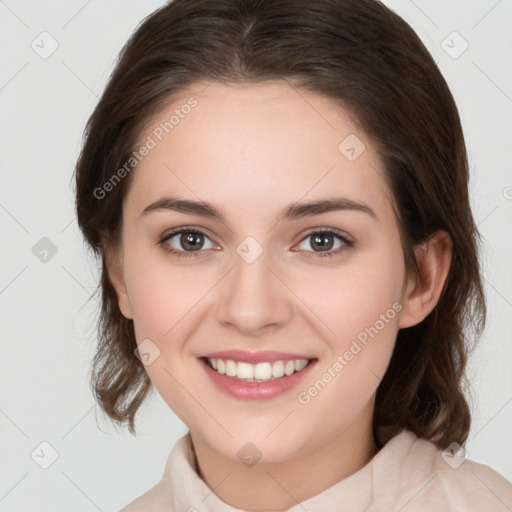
column 270, row 186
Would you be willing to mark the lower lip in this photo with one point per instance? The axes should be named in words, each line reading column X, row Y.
column 245, row 390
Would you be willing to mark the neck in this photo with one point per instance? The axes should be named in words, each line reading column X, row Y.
column 277, row 486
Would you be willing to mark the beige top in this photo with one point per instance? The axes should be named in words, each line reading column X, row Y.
column 408, row 474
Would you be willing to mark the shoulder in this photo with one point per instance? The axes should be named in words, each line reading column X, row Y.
column 427, row 478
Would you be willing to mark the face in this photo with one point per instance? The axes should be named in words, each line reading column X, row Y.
column 260, row 276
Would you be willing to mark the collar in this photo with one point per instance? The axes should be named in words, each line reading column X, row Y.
column 188, row 492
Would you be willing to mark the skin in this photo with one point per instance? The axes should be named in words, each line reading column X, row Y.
column 250, row 150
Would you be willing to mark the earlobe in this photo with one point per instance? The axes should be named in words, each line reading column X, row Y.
column 114, row 263
column 422, row 294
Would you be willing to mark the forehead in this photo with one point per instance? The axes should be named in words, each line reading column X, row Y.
column 256, row 144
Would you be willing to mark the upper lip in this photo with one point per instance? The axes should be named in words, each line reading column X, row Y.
column 254, row 357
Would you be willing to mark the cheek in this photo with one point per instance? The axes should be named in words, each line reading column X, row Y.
column 360, row 304
column 152, row 304
column 160, row 294
column 162, row 301
column 361, row 294
column 363, row 313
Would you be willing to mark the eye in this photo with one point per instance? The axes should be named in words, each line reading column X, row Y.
column 186, row 242
column 191, row 242
column 326, row 242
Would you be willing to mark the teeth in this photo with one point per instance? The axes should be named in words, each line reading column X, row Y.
column 263, row 371
column 259, row 372
column 278, row 369
column 289, row 367
column 300, row 364
column 230, row 368
column 244, row 371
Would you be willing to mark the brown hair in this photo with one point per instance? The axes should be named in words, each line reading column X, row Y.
column 369, row 60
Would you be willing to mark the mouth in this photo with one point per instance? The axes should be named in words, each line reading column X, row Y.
column 265, row 371
column 256, row 376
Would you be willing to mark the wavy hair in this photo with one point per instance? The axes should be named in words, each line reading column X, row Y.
column 365, row 57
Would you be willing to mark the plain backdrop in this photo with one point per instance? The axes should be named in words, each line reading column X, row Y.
column 47, row 312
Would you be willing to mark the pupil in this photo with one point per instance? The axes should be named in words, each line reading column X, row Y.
column 191, row 240
column 323, row 241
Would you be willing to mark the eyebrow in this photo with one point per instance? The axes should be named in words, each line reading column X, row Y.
column 291, row 212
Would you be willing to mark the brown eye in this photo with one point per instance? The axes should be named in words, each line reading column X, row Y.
column 184, row 242
column 325, row 242
column 191, row 241
column 322, row 241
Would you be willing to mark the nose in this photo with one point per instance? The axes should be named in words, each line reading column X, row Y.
column 252, row 298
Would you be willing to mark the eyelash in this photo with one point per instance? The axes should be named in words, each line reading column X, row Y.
column 347, row 243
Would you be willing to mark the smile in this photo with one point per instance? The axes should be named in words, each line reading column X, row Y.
column 259, row 372
column 260, row 375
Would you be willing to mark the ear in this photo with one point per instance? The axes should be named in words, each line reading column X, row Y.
column 422, row 294
column 114, row 264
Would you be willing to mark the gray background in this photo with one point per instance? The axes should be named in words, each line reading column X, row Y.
column 47, row 312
